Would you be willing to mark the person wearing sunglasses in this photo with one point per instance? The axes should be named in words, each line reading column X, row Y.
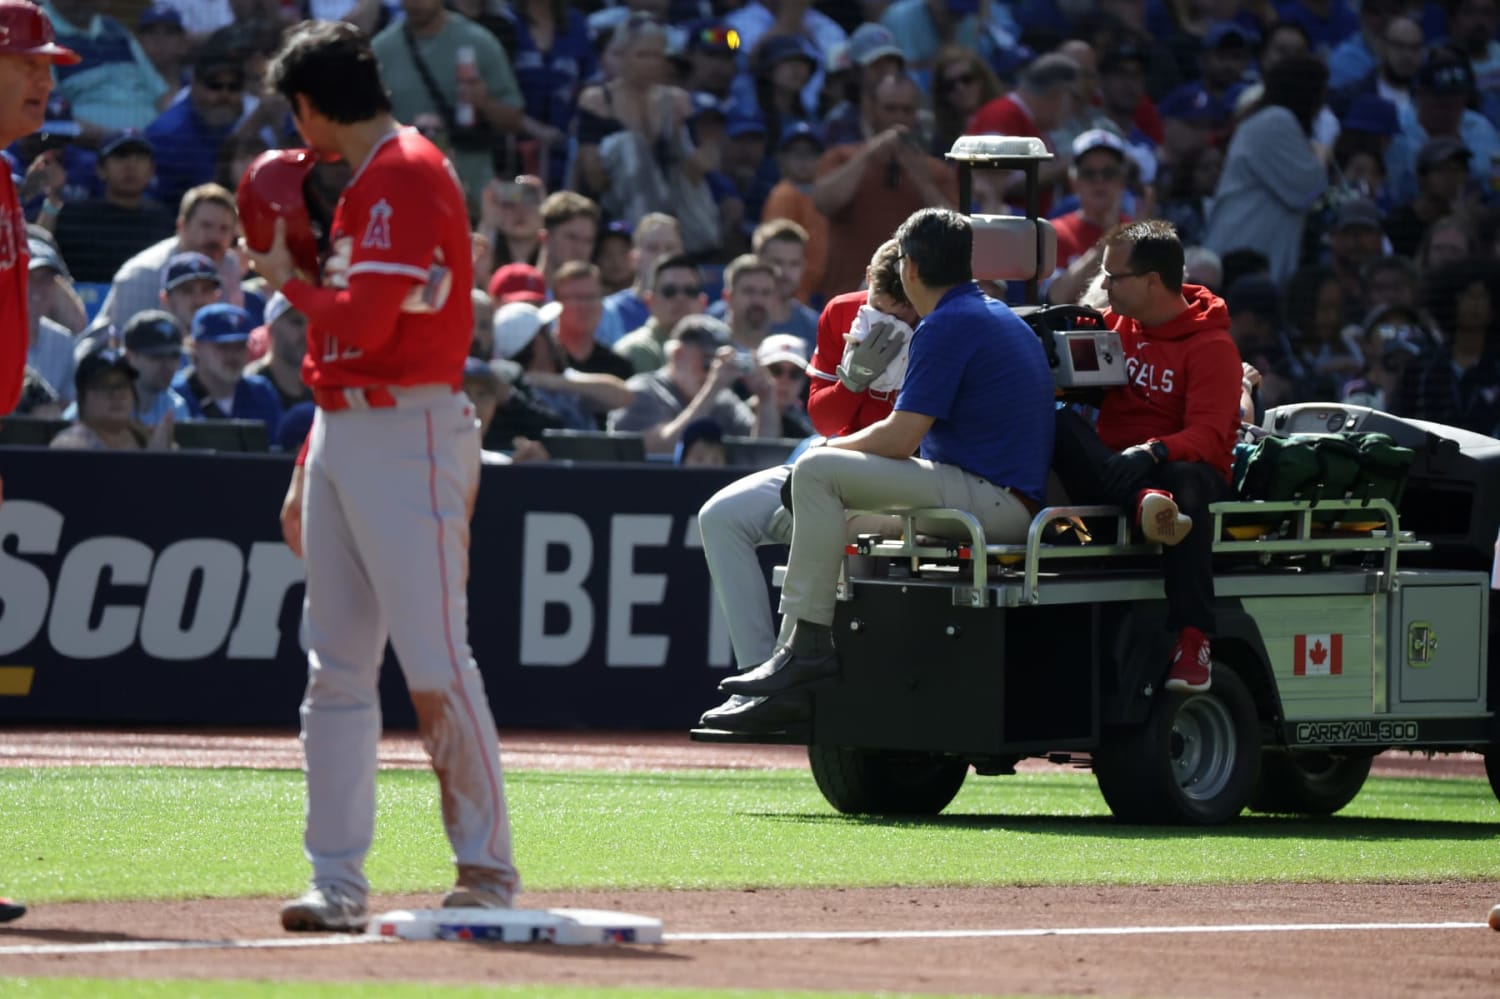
column 676, row 292
column 961, row 85
column 1098, row 175
column 1164, row 441
column 187, row 135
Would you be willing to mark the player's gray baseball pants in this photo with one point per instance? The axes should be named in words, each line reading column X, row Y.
column 386, row 505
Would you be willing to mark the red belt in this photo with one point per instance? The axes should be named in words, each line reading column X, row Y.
column 370, row 397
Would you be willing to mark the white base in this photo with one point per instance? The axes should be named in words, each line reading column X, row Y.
column 559, row 926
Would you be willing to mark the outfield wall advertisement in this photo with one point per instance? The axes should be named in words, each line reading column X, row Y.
column 147, row 588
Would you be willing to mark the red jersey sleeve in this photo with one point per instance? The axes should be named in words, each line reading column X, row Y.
column 1211, row 411
column 14, row 329
column 833, row 409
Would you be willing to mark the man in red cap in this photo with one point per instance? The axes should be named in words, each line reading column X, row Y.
column 517, row 283
column 27, row 54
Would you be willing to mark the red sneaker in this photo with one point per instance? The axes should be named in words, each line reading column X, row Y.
column 1159, row 519
column 1191, row 663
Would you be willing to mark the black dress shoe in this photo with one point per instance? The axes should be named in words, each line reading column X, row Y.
column 760, row 714
column 784, row 671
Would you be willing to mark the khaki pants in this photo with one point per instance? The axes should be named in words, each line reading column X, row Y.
column 828, row 481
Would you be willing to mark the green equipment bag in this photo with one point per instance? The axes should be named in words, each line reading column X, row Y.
column 1315, row 467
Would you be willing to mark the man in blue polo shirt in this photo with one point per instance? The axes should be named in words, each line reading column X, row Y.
column 216, row 386
column 977, row 404
column 188, row 134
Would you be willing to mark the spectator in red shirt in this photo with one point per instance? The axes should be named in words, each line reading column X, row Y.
column 1098, row 175
column 1041, row 103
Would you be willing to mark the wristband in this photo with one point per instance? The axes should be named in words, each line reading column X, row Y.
column 50, row 207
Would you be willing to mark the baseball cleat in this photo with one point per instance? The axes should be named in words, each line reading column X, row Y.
column 327, row 909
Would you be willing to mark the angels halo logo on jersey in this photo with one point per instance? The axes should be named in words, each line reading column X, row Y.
column 378, row 230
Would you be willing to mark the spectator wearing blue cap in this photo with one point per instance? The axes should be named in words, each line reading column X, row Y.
column 216, row 387
column 756, row 21
column 1327, row 22
column 97, row 235
column 188, row 134
column 115, row 86
column 188, row 283
column 164, row 39
column 783, row 67
column 873, row 55
column 153, row 344
column 1442, row 176
column 791, row 199
column 656, row 237
column 612, row 256
column 1441, row 95
column 741, row 183
column 712, row 48
column 105, row 385
column 1196, row 113
column 702, row 445
column 1273, row 172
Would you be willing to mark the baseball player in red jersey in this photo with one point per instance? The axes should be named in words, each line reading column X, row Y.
column 380, row 507
column 28, row 52
column 843, row 397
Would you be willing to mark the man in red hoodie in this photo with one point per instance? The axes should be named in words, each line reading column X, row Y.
column 1165, row 439
column 748, row 513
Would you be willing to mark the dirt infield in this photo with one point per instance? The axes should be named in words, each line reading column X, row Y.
column 1364, row 940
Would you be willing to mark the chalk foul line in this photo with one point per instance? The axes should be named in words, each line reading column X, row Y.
column 336, row 940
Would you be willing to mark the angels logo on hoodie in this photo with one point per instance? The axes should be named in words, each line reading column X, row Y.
column 1148, row 376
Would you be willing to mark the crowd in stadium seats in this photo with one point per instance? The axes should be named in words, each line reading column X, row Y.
column 664, row 192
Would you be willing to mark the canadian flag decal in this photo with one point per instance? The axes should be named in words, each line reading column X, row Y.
column 1318, row 655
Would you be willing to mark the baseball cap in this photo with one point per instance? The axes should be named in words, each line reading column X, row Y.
column 744, row 123
column 159, row 15
column 837, row 59
column 278, row 306
column 1358, row 212
column 1122, row 54
column 800, row 131
column 712, row 36
column 154, row 333
column 706, row 103
column 1188, row 103
column 97, row 363
column 1371, row 113
column 1443, row 149
column 775, row 51
column 1228, row 34
column 1098, row 138
column 518, row 283
column 618, row 229
column 871, row 42
column 25, row 29
column 1254, row 295
column 703, row 331
column 184, row 267
column 1400, row 329
column 44, row 254
column 782, row 347
column 1445, row 72
column 517, row 322
column 128, row 141
column 221, row 323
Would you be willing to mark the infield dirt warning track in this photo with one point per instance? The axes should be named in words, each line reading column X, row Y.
column 1249, row 940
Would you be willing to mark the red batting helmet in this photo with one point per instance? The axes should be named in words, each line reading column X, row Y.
column 272, row 188
column 25, row 29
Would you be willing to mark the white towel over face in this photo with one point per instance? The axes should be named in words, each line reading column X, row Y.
column 891, row 378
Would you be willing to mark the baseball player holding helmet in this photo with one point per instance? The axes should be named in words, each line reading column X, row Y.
column 379, row 503
column 28, row 51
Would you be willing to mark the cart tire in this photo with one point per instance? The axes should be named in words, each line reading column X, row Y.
column 1303, row 783
column 880, row 782
column 1492, row 768
column 1193, row 761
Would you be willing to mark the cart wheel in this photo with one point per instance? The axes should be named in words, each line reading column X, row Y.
column 1193, row 761
column 1302, row 783
column 877, row 782
column 1492, row 768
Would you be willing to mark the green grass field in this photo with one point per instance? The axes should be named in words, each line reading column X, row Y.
column 116, row 833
